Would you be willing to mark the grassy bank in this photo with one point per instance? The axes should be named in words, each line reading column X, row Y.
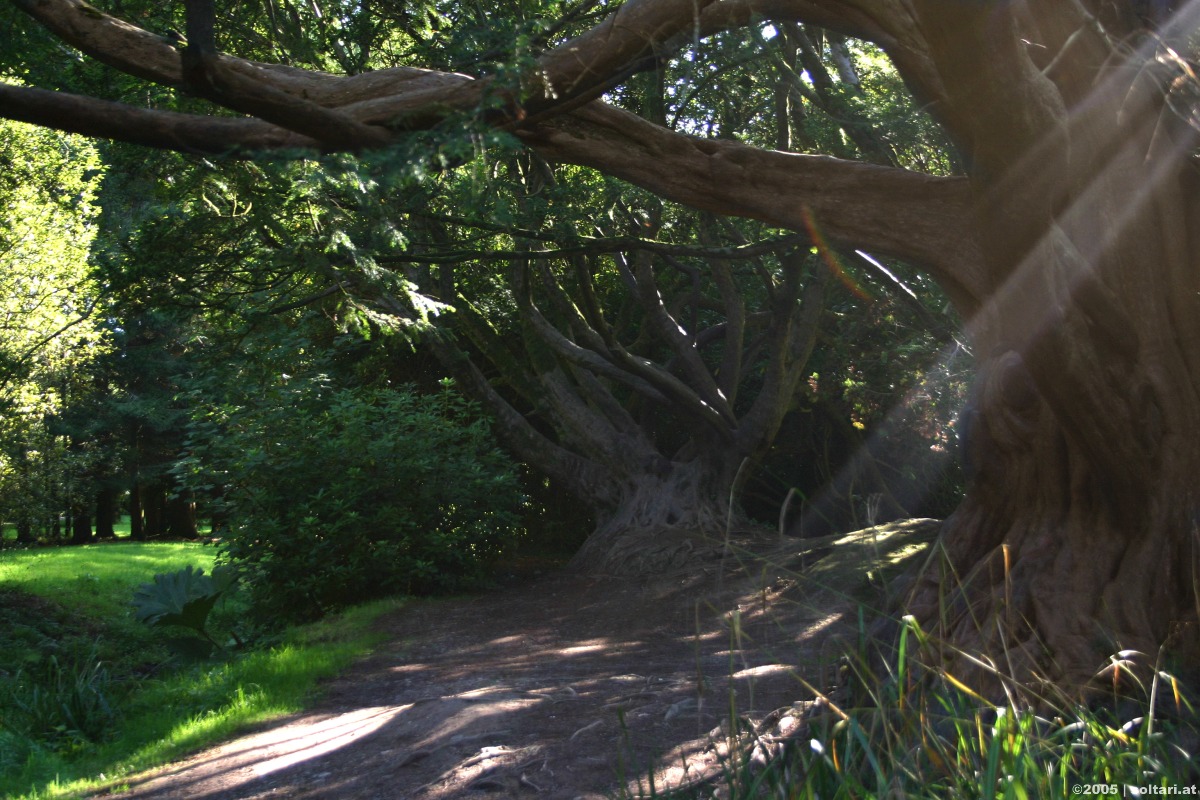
column 88, row 694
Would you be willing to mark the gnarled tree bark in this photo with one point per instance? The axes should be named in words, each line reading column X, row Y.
column 1078, row 535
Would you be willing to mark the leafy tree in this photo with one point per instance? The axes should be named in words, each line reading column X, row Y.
column 50, row 338
column 1064, row 244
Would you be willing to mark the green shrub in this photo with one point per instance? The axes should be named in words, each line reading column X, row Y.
column 334, row 497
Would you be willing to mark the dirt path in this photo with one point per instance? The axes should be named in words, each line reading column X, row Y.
column 561, row 688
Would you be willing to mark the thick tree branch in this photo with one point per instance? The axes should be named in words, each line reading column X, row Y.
column 574, row 72
column 564, row 305
column 790, row 341
column 166, row 130
column 593, row 313
column 585, row 427
column 894, row 212
column 494, row 347
column 601, row 396
column 580, row 476
column 611, row 360
column 671, row 332
column 730, row 375
column 584, row 357
column 595, row 246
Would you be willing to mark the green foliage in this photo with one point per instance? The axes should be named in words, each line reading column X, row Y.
column 61, row 704
column 49, row 337
column 183, row 598
column 69, row 647
column 97, row 580
column 336, row 496
column 73, row 604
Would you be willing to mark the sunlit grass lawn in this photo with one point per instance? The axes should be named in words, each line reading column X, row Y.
column 164, row 707
column 97, row 580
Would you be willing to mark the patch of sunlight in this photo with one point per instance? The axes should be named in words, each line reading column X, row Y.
column 765, row 669
column 592, row 646
column 514, row 639
column 413, row 667
column 320, row 738
column 483, row 692
column 813, row 629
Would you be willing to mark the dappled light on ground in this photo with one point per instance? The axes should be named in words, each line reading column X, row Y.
column 566, row 688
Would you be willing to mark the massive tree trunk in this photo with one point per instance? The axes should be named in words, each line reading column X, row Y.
column 1078, row 535
column 180, row 516
column 81, row 526
column 106, row 511
column 154, row 506
column 670, row 518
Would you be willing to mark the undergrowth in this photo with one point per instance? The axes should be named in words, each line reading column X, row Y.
column 917, row 731
column 897, row 723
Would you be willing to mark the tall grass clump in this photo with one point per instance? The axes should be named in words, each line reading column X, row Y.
column 181, row 710
column 906, row 727
column 63, row 703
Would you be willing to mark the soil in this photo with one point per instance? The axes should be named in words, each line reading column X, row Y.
column 569, row 687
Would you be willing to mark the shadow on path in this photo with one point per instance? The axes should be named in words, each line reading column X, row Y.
column 563, row 688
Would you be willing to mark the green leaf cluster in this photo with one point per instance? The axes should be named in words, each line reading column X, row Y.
column 183, row 598
column 50, row 335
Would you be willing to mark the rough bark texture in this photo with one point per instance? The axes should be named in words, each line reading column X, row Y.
column 180, row 513
column 661, row 522
column 1077, row 538
column 106, row 511
column 81, row 527
column 632, row 418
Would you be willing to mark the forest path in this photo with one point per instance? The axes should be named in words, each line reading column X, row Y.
column 563, row 687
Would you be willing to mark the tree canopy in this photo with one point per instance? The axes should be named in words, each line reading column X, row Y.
column 1044, row 182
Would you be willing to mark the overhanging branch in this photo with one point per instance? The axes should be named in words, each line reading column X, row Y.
column 165, row 130
column 895, row 212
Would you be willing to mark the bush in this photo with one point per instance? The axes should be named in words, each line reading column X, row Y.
column 334, row 497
